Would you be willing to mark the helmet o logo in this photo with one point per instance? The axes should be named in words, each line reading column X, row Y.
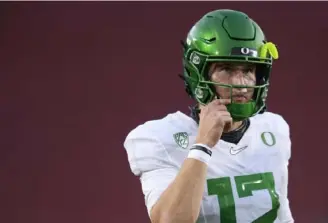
column 245, row 50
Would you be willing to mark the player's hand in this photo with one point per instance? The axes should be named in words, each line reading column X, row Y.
column 213, row 120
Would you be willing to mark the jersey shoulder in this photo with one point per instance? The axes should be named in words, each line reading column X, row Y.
column 274, row 125
column 273, row 122
column 149, row 144
column 163, row 129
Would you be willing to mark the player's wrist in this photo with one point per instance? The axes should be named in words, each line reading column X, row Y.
column 203, row 147
column 200, row 152
column 205, row 142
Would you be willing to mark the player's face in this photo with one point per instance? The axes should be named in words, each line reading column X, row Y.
column 234, row 74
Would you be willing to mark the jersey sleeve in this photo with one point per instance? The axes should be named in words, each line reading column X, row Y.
column 284, row 212
column 284, row 127
column 149, row 160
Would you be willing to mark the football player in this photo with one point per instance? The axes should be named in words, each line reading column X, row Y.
column 228, row 161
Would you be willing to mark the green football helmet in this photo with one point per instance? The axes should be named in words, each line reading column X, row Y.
column 227, row 36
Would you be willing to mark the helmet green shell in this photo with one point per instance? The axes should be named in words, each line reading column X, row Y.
column 227, row 36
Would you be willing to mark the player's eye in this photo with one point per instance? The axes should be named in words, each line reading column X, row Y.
column 227, row 68
column 249, row 70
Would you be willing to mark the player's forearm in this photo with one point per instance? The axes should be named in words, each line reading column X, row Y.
column 181, row 201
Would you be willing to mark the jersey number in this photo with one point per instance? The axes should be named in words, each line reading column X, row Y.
column 245, row 186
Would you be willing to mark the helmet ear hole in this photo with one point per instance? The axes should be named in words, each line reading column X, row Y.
column 260, row 94
column 262, row 73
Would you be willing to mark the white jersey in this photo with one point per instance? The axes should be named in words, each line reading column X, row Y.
column 245, row 183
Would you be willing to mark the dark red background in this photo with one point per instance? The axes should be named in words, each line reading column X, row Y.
column 77, row 77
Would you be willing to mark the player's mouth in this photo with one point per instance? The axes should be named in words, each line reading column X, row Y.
column 239, row 99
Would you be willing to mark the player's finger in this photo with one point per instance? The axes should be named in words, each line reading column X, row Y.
column 222, row 101
column 228, row 123
column 227, row 118
column 220, row 108
column 224, row 113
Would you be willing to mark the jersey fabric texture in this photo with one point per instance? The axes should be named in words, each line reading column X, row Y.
column 246, row 182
